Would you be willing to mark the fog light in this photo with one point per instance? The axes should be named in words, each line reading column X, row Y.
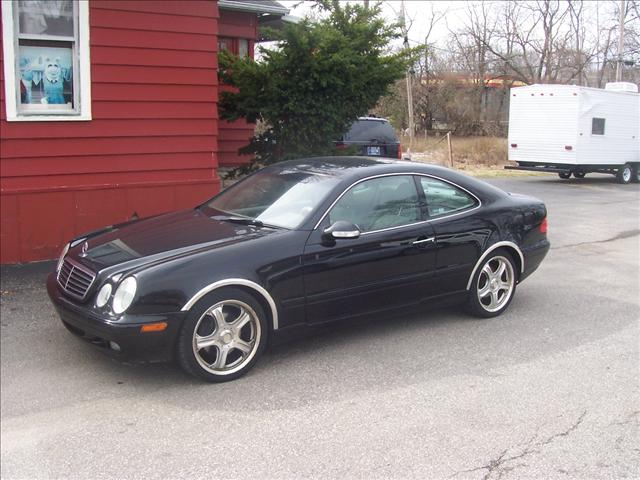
column 114, row 346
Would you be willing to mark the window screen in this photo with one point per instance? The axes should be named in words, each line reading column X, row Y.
column 47, row 56
column 243, row 47
column 225, row 44
column 597, row 126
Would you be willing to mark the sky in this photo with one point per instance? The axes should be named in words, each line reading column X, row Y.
column 418, row 16
column 419, row 13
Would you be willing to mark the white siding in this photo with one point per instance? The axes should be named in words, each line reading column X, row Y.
column 544, row 119
column 620, row 143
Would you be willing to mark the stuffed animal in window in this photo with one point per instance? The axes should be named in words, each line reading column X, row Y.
column 26, row 74
column 53, row 82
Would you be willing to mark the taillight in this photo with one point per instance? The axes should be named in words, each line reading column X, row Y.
column 543, row 226
column 400, row 151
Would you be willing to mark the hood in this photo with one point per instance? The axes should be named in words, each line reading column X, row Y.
column 160, row 237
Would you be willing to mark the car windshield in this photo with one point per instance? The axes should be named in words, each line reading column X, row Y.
column 368, row 130
column 280, row 198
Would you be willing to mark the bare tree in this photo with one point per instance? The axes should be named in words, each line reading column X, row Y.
column 607, row 52
column 464, row 83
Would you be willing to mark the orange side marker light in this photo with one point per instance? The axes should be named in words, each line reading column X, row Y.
column 153, row 327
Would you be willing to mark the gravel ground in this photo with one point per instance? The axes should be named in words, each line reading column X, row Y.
column 548, row 390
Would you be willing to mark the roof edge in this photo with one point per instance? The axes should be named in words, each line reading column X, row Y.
column 253, row 7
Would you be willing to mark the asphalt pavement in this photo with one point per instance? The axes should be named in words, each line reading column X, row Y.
column 550, row 389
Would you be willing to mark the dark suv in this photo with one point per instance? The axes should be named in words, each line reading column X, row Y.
column 373, row 137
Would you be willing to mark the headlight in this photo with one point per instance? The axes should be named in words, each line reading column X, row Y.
column 103, row 295
column 124, row 295
column 61, row 259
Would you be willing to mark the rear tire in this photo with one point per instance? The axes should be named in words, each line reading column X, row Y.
column 636, row 173
column 579, row 174
column 493, row 285
column 625, row 174
column 564, row 175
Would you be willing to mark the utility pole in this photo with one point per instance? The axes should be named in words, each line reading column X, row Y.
column 620, row 42
column 366, row 4
column 405, row 34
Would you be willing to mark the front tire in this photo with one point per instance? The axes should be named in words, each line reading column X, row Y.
column 493, row 285
column 564, row 175
column 625, row 174
column 579, row 174
column 223, row 336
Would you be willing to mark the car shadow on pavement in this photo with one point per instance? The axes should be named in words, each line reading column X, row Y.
column 329, row 364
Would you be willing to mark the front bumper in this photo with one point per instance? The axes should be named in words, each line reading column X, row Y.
column 132, row 344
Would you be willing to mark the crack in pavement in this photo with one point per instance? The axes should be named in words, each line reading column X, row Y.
column 630, row 418
column 619, row 236
column 498, row 464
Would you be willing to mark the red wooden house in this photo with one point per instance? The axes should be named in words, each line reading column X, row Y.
column 108, row 109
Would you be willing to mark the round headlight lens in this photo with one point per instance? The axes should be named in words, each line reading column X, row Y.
column 124, row 295
column 61, row 259
column 103, row 295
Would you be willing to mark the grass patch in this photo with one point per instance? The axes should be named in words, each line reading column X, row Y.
column 477, row 156
column 468, row 152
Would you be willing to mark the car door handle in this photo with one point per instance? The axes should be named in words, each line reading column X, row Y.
column 425, row 240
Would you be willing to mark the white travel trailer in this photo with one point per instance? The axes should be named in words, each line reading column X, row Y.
column 572, row 130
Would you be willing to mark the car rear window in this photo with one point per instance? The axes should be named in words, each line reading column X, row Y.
column 444, row 198
column 367, row 130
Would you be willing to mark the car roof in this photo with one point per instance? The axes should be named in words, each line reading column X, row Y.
column 350, row 169
column 358, row 166
column 375, row 119
column 342, row 166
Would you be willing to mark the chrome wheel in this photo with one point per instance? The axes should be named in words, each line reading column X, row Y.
column 226, row 337
column 495, row 284
column 626, row 174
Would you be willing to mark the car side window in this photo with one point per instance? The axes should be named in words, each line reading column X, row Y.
column 444, row 198
column 379, row 203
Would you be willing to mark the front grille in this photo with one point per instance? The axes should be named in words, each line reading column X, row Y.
column 75, row 279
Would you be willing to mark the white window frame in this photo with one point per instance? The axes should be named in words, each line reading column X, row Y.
column 9, row 43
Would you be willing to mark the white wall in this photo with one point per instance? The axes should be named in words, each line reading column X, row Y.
column 620, row 142
column 542, row 121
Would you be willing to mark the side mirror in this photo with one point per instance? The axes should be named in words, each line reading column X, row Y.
column 340, row 230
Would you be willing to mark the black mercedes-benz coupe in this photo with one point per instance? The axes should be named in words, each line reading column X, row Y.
column 294, row 245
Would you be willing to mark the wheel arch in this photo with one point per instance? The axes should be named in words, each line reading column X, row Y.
column 259, row 292
column 509, row 246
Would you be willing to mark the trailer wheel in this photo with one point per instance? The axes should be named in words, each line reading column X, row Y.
column 636, row 176
column 579, row 174
column 564, row 175
column 625, row 174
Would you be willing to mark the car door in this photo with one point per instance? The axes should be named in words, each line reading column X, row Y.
column 460, row 231
column 390, row 265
